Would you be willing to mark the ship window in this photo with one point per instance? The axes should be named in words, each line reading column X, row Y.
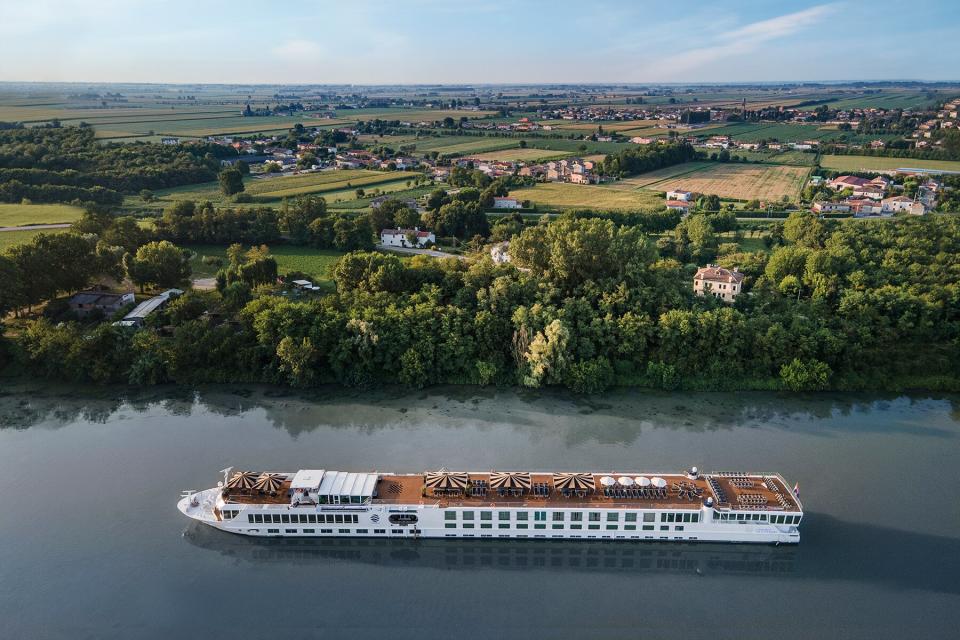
column 611, row 527
column 679, row 527
column 449, row 515
column 505, row 525
column 486, row 515
column 468, row 515
column 756, row 517
column 391, row 531
column 312, row 518
column 338, row 518
column 343, row 530
column 504, row 515
column 522, row 526
column 468, row 525
column 276, row 518
column 663, row 517
column 558, row 516
column 326, row 530
column 576, row 526
column 648, row 527
column 695, row 517
column 355, row 518
column 594, row 516
column 630, row 527
column 485, row 525
column 379, row 530
column 309, row 530
column 613, row 516
column 361, row 531
column 523, row 515
column 273, row 530
column 290, row 530
column 250, row 518
column 450, row 525
column 649, row 517
column 631, row 517
column 556, row 526
column 540, row 516
column 576, row 516
column 539, row 526
column 593, row 526
column 303, row 518
column 664, row 528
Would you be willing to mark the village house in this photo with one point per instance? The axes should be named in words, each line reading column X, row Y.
column 903, row 204
column 86, row 303
column 830, row 207
column 685, row 196
column 406, row 238
column 506, row 203
column 716, row 281
column 642, row 140
column 678, row 205
column 864, row 208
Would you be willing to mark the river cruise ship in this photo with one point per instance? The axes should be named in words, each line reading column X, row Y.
column 691, row 506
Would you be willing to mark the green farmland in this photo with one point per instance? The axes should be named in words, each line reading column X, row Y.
column 19, row 215
column 316, row 262
column 879, row 163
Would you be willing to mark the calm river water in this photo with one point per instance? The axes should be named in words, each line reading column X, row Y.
column 92, row 545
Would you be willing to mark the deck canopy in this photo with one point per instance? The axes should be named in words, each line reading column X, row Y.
column 342, row 487
column 270, row 482
column 510, row 480
column 242, row 480
column 573, row 481
column 446, row 480
column 309, row 479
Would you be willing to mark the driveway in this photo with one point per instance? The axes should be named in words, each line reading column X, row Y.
column 36, row 227
column 421, row 252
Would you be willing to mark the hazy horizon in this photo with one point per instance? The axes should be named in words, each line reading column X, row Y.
column 420, row 42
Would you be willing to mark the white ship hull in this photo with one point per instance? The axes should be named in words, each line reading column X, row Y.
column 489, row 521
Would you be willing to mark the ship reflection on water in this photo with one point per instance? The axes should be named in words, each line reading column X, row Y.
column 590, row 556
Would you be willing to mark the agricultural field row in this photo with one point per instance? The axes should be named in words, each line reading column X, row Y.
column 316, row 262
column 522, row 155
column 561, row 195
column 878, row 163
column 731, row 180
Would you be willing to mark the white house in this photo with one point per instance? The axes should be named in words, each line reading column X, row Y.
column 685, row 196
column 401, row 237
column 506, row 203
column 713, row 280
column 678, row 205
column 897, row 203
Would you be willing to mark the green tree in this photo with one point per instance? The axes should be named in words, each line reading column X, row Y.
column 161, row 264
column 231, row 181
column 809, row 375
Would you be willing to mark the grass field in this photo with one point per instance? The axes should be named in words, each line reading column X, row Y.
column 871, row 163
column 728, row 180
column 316, row 262
column 10, row 238
column 524, row 155
column 18, row 215
column 562, row 195
column 332, row 185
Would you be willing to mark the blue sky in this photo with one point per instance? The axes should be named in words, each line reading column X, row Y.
column 472, row 41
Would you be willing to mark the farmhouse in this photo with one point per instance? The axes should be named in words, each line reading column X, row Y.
column 678, row 205
column 685, row 196
column 863, row 208
column 642, row 140
column 86, row 303
column 847, row 182
column 506, row 203
column 406, row 238
column 716, row 281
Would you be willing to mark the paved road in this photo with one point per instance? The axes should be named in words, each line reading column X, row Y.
column 36, row 227
column 422, row 252
column 205, row 283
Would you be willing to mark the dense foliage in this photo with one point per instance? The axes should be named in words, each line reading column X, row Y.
column 66, row 164
column 586, row 303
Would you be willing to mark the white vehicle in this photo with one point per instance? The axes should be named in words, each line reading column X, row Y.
column 692, row 506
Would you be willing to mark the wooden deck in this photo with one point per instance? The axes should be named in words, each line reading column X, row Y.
column 409, row 489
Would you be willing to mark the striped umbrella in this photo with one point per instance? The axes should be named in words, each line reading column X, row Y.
column 510, row 480
column 242, row 480
column 269, row 482
column 444, row 479
column 573, row 481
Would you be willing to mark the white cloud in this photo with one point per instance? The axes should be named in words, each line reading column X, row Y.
column 736, row 42
column 299, row 50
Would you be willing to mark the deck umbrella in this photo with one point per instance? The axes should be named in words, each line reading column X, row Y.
column 573, row 481
column 643, row 481
column 625, row 481
column 510, row 480
column 242, row 480
column 659, row 482
column 269, row 482
column 607, row 481
column 447, row 480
